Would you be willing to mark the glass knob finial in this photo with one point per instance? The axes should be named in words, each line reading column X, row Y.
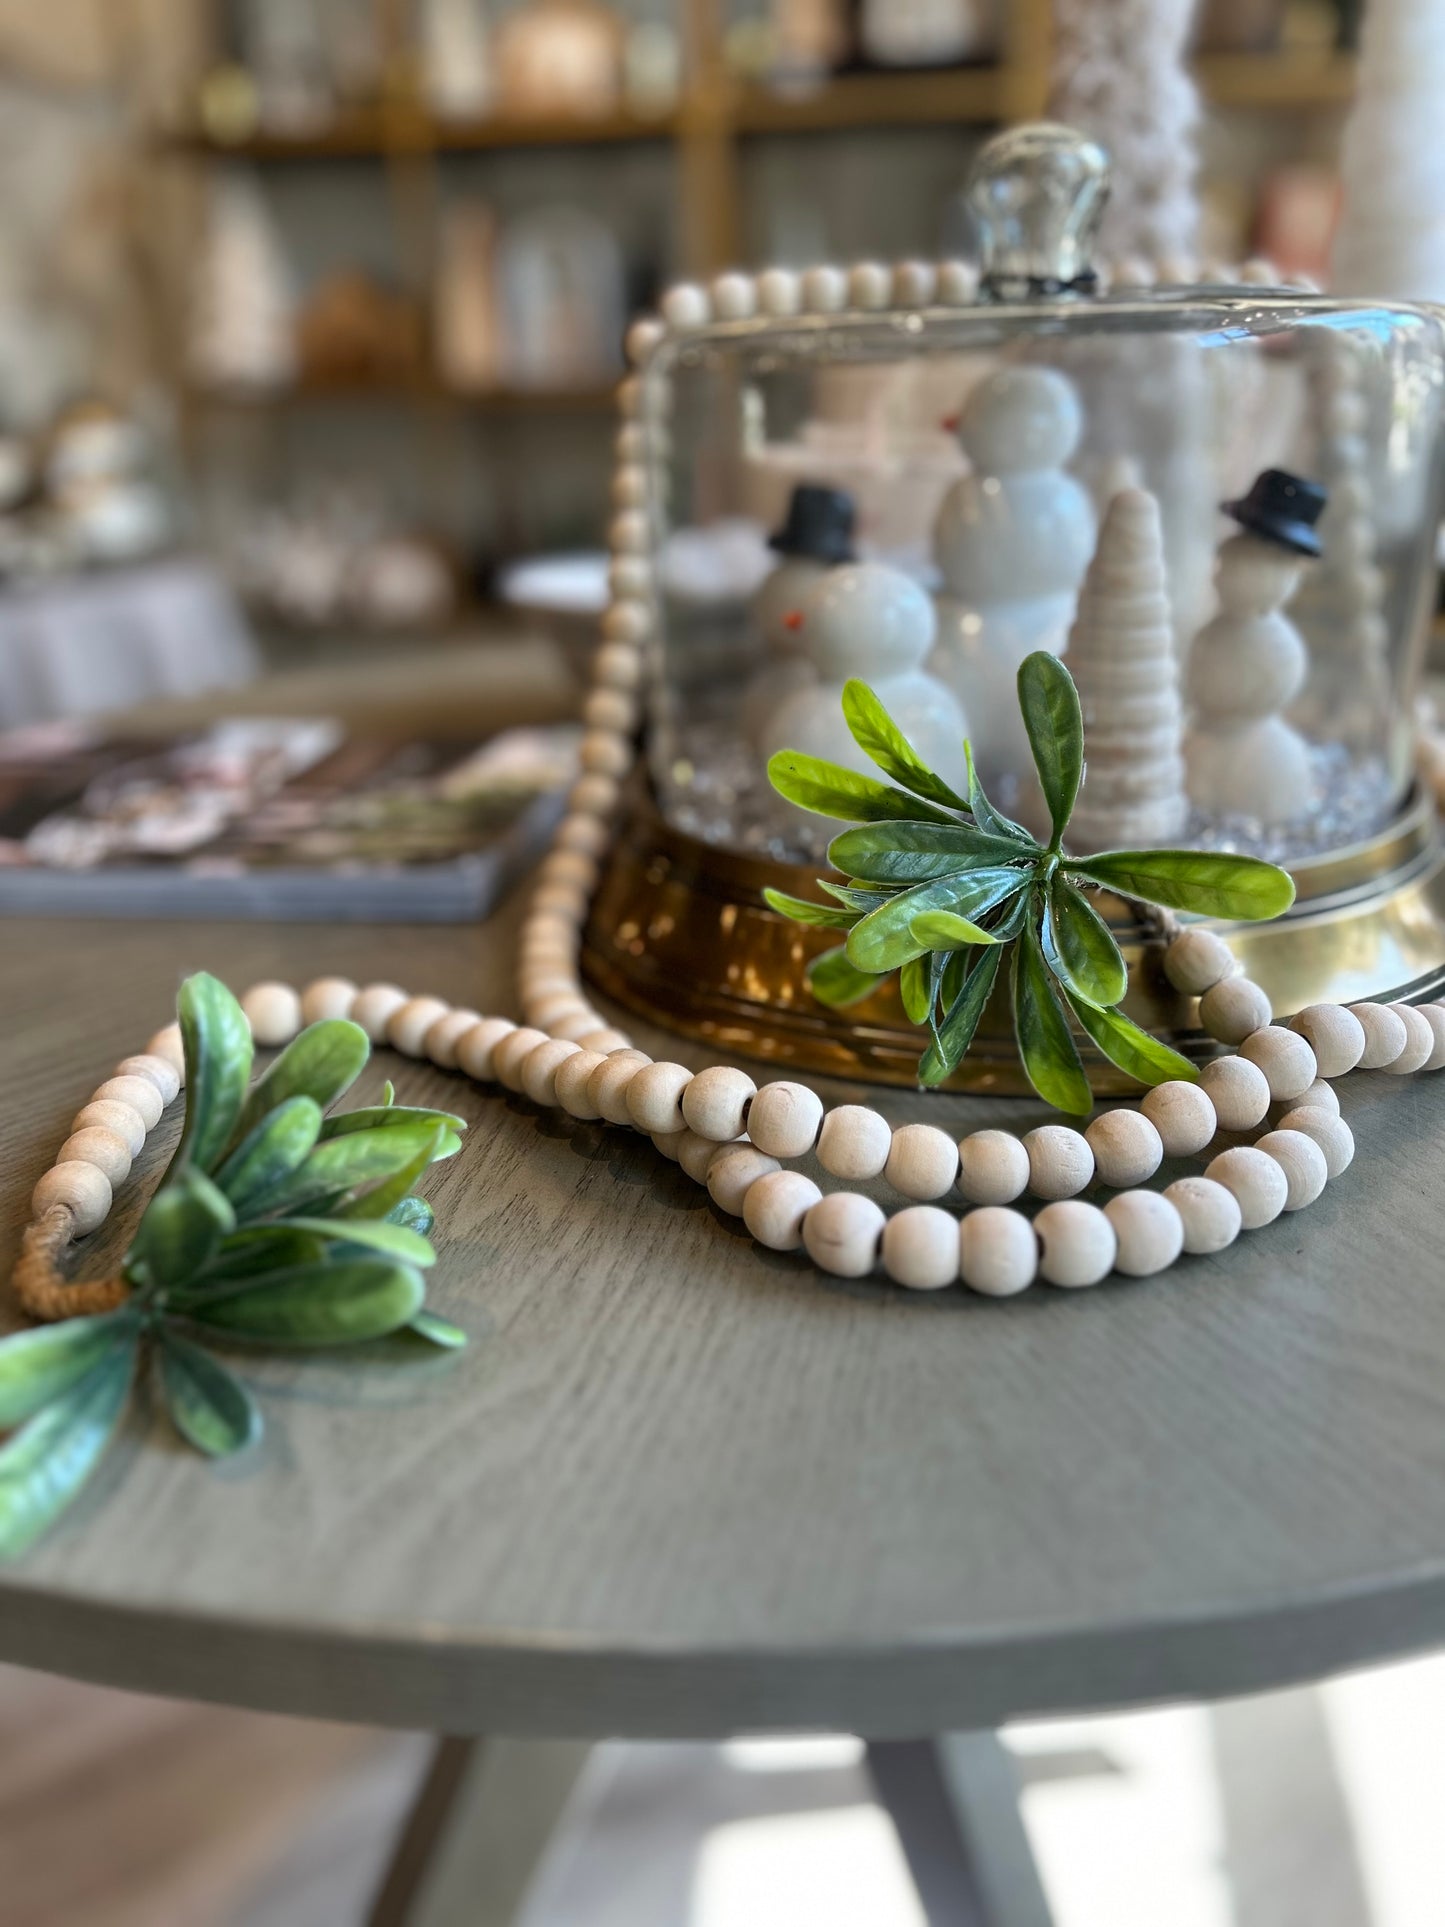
column 1037, row 194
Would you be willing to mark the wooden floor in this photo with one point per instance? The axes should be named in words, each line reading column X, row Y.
column 119, row 1811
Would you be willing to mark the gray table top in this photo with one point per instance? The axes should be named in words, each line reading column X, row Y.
column 680, row 1485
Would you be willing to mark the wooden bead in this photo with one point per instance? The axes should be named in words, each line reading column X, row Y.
column 654, row 1097
column 854, row 1142
column 608, row 1085
column 1209, row 1212
column 1233, row 1008
column 572, row 1083
column 780, row 291
column 594, row 794
column 686, row 305
column 922, row 1161
column 1385, row 1035
column 448, row 1030
column 716, row 1102
column 1435, row 1017
column 668, row 1143
column 1183, row 1115
column 408, row 1024
column 733, row 1172
column 775, row 1207
column 607, row 1039
column 571, row 866
column 1259, row 1184
column 585, row 1024
column 734, row 296
column 327, row 997
column 373, row 1008
column 696, row 1153
column 274, row 1013
column 1286, row 1059
column 1334, row 1034
column 998, row 1251
column 825, row 289
column 1076, row 1242
column 784, row 1120
column 1303, row 1164
column 159, row 1070
column 584, row 834
column 1127, row 1149
column 106, row 1115
column 957, row 283
column 1196, row 960
column 106, row 1150
column 138, row 1092
column 1238, row 1090
column 1061, row 1161
column 841, row 1234
column 605, row 753
column 920, row 1248
column 870, row 285
column 475, row 1047
column 1320, row 1096
column 168, row 1043
column 509, row 1053
column 81, row 1188
column 540, row 1067
column 993, row 1168
column 1148, row 1230
column 1334, row 1137
column 1419, row 1045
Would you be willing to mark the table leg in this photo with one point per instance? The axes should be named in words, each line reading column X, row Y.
column 476, row 1832
column 954, row 1802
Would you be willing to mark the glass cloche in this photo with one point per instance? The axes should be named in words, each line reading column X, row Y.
column 1219, row 503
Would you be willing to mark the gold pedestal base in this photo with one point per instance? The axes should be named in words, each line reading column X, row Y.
column 680, row 933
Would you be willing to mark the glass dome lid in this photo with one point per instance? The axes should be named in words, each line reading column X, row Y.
column 1217, row 501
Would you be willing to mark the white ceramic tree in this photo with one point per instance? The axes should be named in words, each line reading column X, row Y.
column 1012, row 541
column 1121, row 655
column 242, row 333
column 1391, row 237
column 870, row 621
column 1119, row 75
column 1242, row 758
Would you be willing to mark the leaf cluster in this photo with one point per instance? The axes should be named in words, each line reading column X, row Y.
column 275, row 1224
column 942, row 889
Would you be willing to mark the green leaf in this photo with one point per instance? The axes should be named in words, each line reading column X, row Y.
column 256, row 1249
column 1080, row 949
column 415, row 1213
column 336, row 1303
column 46, row 1463
column 836, row 982
column 1133, row 1050
column 942, row 930
column 218, row 1050
column 208, row 1404
column 913, row 988
column 956, row 1032
column 1046, row 1044
column 387, row 1117
column 275, row 1146
column 37, row 1366
column 801, row 910
column 884, row 939
column 827, row 789
column 1054, row 721
column 382, row 1199
column 438, row 1331
column 181, row 1231
column 916, row 852
column 1207, row 882
column 880, row 739
column 984, row 813
column 322, row 1063
column 397, row 1241
column 341, row 1164
column 852, row 898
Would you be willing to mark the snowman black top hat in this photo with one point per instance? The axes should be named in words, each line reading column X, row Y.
column 1282, row 508
column 819, row 525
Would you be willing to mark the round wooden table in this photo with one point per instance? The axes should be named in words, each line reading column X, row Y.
column 680, row 1486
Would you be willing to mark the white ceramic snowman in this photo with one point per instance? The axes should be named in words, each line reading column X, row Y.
column 866, row 620
column 817, row 536
column 1012, row 541
column 1242, row 758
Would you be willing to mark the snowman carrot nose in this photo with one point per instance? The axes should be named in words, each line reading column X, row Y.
column 794, row 619
column 949, row 423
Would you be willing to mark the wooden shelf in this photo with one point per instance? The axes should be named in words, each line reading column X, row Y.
column 422, row 386
column 365, row 135
column 967, row 95
column 1284, row 80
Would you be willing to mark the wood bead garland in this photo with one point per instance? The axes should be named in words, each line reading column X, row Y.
column 922, row 1160
column 608, row 1085
column 1259, row 1184
column 374, row 1007
column 784, row 1119
column 998, row 1251
column 475, row 1046
column 1419, row 1043
column 1303, row 1163
column 141, row 1095
column 1385, row 1034
column 572, row 1084
column 733, row 1172
column 1183, row 1115
column 1077, row 1244
column 106, row 1115
column 441, row 1040
column 540, row 1068
column 1330, row 1132
column 654, row 1096
column 854, row 1143
column 1148, row 1232
column 158, row 1070
column 273, row 1011
column 408, row 1024
column 716, row 1102
column 167, row 1043
column 920, row 1247
column 106, row 1150
column 1238, row 1090
column 775, row 1206
column 1334, row 1034
column 1231, row 1009
column 1061, row 1162
column 1208, row 1211
column 1196, row 960
column 841, row 1234
column 81, row 1188
column 1127, row 1149
column 993, row 1167
column 1285, row 1058
column 327, row 997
